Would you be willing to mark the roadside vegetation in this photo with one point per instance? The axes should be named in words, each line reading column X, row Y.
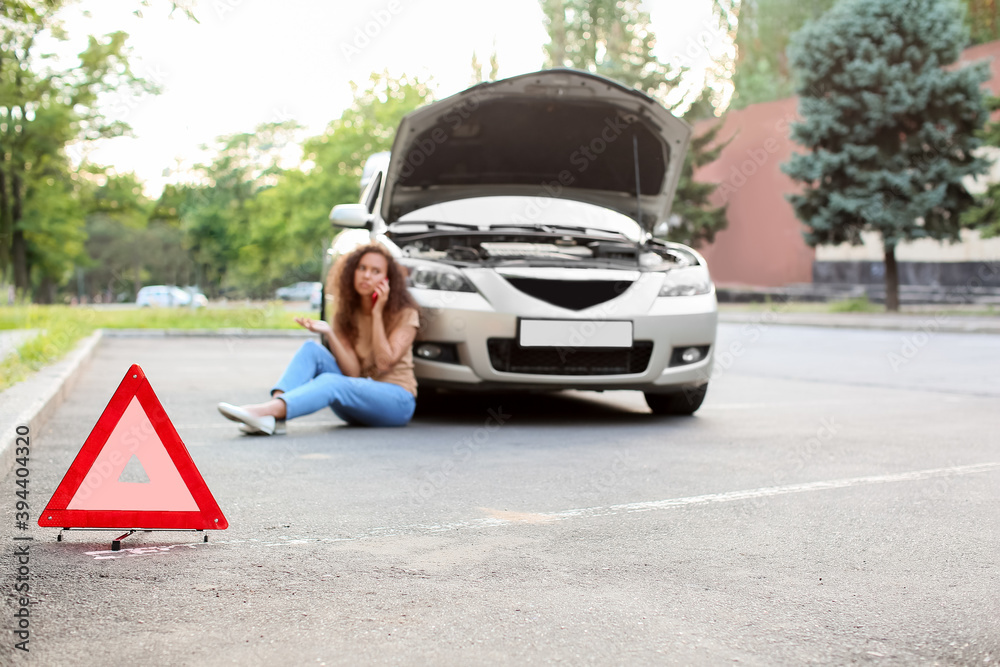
column 61, row 328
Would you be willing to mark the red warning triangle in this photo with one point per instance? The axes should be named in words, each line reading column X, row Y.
column 135, row 432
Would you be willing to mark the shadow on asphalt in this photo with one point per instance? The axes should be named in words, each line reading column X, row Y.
column 550, row 408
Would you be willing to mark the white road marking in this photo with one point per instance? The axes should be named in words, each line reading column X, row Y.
column 578, row 513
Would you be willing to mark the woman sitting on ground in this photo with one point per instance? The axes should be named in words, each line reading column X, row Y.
column 368, row 378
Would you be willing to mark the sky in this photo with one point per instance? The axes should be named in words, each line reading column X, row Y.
column 247, row 62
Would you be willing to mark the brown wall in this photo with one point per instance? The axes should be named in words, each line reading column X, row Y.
column 763, row 244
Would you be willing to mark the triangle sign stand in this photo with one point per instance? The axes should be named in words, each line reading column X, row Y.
column 134, row 428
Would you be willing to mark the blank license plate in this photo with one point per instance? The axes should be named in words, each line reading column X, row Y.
column 575, row 333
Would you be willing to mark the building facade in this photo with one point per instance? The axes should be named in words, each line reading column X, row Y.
column 763, row 245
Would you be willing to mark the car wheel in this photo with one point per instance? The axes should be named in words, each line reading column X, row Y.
column 679, row 403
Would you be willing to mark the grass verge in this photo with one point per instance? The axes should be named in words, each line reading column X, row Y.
column 63, row 326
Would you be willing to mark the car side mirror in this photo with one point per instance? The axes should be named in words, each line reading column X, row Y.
column 351, row 215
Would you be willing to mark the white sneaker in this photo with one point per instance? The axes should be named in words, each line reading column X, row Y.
column 237, row 414
column 279, row 428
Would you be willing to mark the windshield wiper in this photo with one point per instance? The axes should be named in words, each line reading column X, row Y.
column 436, row 225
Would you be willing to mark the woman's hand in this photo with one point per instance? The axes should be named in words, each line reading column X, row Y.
column 316, row 326
column 382, row 289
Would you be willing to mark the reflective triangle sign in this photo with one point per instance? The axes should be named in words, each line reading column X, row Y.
column 133, row 471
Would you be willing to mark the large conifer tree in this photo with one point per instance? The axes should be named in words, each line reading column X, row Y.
column 890, row 126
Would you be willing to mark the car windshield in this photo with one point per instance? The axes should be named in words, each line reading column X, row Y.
column 488, row 213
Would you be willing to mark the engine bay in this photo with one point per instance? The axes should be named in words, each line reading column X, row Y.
column 537, row 248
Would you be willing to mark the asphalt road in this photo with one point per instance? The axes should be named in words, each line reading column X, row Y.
column 835, row 501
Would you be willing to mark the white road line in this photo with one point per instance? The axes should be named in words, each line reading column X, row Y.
column 769, row 491
column 578, row 513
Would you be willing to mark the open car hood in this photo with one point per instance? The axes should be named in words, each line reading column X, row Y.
column 556, row 133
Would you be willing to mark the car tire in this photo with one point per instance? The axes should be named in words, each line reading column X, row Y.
column 679, row 403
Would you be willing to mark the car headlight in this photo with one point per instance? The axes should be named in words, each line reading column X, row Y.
column 686, row 282
column 436, row 277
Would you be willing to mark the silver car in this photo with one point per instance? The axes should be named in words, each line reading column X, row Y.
column 523, row 209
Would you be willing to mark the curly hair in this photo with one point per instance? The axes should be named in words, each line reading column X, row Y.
column 349, row 301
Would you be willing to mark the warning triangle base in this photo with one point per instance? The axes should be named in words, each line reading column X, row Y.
column 116, row 544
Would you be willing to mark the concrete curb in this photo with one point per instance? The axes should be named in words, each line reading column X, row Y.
column 915, row 322
column 209, row 333
column 31, row 402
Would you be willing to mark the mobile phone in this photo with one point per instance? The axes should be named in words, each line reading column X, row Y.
column 374, row 297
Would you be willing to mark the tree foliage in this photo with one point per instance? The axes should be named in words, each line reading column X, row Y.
column 614, row 38
column 985, row 214
column 982, row 18
column 890, row 127
column 43, row 107
column 260, row 219
column 763, row 72
column 696, row 223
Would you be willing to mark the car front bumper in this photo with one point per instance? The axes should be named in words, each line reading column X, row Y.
column 468, row 321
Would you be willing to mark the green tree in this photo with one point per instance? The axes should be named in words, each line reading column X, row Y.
column 694, row 222
column 217, row 217
column 291, row 221
column 763, row 72
column 477, row 68
column 889, row 124
column 982, row 18
column 42, row 109
column 118, row 252
column 985, row 214
column 254, row 223
column 335, row 158
column 614, row 38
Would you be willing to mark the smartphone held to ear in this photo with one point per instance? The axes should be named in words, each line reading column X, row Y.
column 374, row 297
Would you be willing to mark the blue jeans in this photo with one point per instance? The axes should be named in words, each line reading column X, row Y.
column 313, row 381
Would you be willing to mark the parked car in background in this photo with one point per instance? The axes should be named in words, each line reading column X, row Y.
column 301, row 291
column 200, row 300
column 167, row 296
column 523, row 210
column 316, row 296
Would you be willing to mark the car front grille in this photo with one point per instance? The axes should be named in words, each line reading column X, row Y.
column 509, row 357
column 571, row 294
